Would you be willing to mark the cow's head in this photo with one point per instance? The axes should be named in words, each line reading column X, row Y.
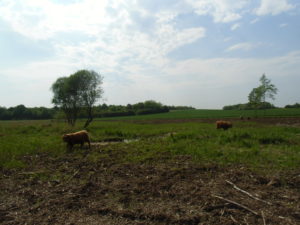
column 66, row 138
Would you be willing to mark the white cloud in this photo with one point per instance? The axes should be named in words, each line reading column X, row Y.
column 273, row 7
column 113, row 33
column 256, row 20
column 283, row 25
column 166, row 16
column 245, row 46
column 235, row 26
column 41, row 19
column 129, row 48
column 222, row 11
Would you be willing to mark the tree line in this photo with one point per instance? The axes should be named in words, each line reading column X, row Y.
column 249, row 106
column 21, row 112
column 296, row 105
column 75, row 97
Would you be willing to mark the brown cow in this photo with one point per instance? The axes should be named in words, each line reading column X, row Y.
column 223, row 124
column 77, row 138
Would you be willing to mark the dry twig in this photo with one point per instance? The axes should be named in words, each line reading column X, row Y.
column 234, row 220
column 246, row 221
column 70, row 178
column 247, row 193
column 263, row 217
column 237, row 204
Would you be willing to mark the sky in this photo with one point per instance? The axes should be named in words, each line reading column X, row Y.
column 200, row 53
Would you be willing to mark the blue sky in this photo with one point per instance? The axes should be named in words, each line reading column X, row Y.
column 201, row 53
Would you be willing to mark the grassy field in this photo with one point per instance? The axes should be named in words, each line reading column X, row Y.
column 258, row 145
column 214, row 113
column 153, row 170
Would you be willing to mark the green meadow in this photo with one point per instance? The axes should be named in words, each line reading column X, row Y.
column 214, row 113
column 261, row 146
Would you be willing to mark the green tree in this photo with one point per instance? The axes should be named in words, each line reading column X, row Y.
column 65, row 99
column 79, row 91
column 88, row 85
column 258, row 95
column 268, row 90
column 255, row 96
column 151, row 104
column 19, row 112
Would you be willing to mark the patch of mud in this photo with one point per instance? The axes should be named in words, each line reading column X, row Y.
column 104, row 143
column 110, row 141
column 73, row 190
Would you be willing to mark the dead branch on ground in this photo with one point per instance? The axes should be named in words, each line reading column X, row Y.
column 247, row 193
column 237, row 204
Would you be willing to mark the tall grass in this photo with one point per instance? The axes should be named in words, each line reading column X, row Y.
column 268, row 147
column 18, row 138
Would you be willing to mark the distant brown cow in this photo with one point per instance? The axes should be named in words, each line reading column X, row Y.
column 77, row 138
column 223, row 124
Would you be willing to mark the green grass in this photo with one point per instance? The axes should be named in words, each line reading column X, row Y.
column 213, row 113
column 268, row 147
column 18, row 138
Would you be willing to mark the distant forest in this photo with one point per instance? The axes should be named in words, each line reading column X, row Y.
column 248, row 106
column 21, row 112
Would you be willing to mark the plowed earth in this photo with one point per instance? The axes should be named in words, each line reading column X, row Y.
column 73, row 190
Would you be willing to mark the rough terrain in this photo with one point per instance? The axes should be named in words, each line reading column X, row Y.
column 73, row 189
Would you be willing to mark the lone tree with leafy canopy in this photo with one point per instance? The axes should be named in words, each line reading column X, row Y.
column 258, row 95
column 80, row 90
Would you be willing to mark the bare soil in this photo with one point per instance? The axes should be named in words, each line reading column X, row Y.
column 73, row 190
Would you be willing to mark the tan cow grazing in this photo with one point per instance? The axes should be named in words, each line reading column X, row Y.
column 223, row 124
column 77, row 138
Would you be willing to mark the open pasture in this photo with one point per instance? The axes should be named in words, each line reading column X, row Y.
column 215, row 113
column 259, row 143
column 152, row 171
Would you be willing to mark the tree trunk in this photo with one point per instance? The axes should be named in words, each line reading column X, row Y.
column 90, row 117
column 71, row 116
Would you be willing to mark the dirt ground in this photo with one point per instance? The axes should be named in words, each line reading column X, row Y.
column 73, row 190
